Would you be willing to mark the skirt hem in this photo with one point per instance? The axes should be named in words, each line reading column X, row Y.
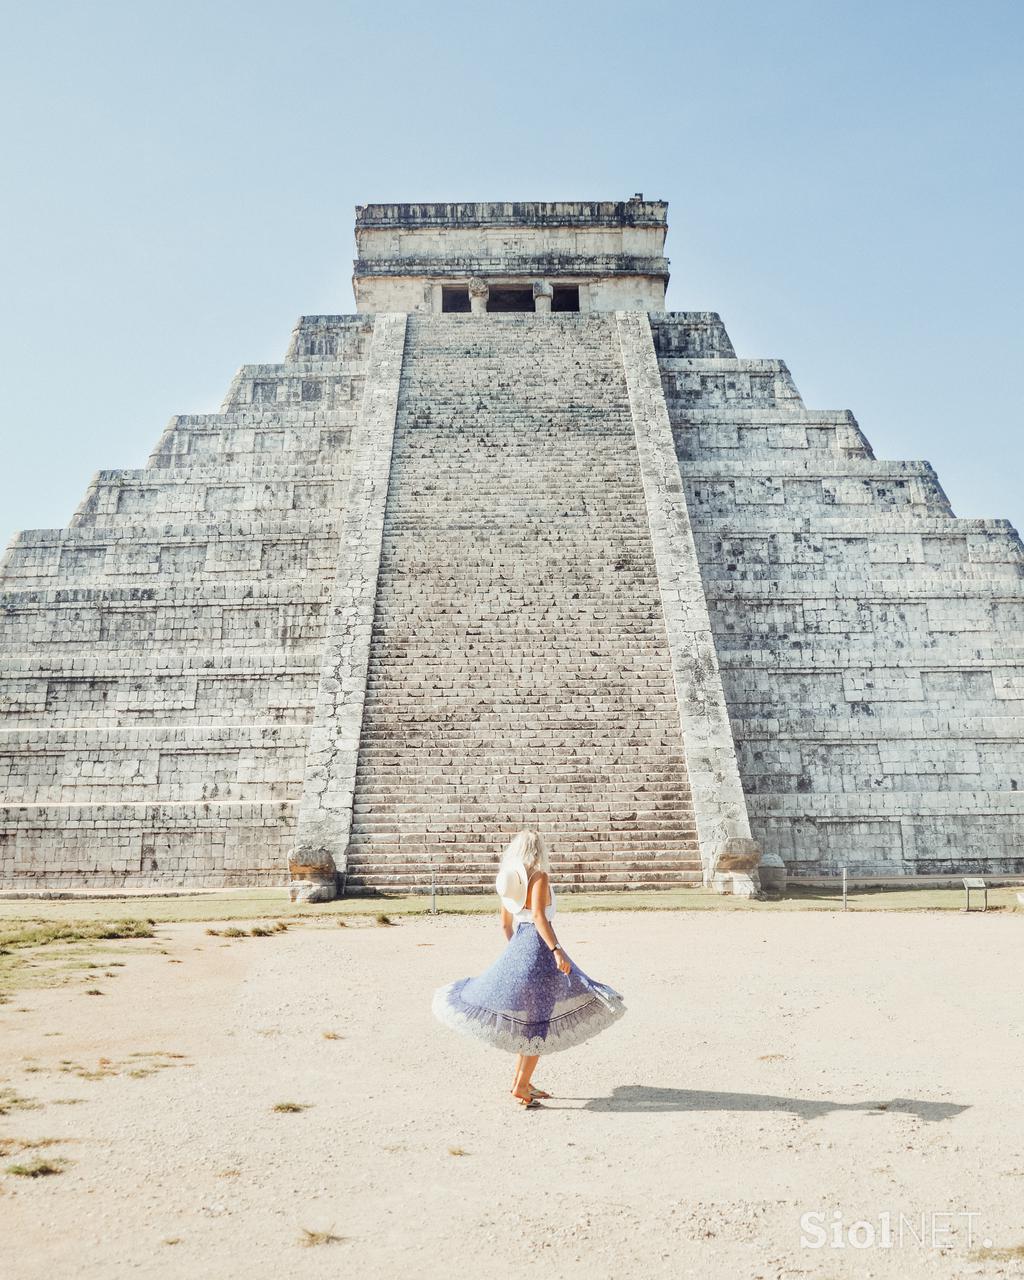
column 500, row 1031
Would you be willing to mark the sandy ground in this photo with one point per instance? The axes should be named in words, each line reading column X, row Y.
column 769, row 1066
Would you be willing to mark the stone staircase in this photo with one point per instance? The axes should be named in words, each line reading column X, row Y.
column 519, row 669
column 869, row 641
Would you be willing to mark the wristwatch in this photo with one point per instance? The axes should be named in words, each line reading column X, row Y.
column 556, row 947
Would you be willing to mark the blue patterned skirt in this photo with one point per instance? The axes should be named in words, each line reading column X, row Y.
column 524, row 1004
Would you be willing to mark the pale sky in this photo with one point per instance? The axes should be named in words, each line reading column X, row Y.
column 178, row 179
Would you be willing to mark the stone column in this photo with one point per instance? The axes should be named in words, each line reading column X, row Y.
column 543, row 292
column 325, row 810
column 478, row 292
column 731, row 858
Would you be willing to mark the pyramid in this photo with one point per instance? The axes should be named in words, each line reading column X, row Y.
column 511, row 546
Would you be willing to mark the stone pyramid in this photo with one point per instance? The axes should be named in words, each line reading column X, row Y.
column 511, row 546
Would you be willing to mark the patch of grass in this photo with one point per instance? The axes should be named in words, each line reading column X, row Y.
column 11, row 1101
column 771, row 1057
column 457, row 1151
column 260, row 931
column 93, row 991
column 67, row 1102
column 213, row 933
column 311, row 1238
column 280, row 926
column 41, row 1167
column 42, row 933
column 384, row 919
column 289, row 1108
column 332, row 1035
column 234, row 933
column 169, row 1240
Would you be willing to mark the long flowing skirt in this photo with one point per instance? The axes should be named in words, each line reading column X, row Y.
column 524, row 1004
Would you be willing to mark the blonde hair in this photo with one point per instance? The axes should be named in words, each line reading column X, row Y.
column 528, row 848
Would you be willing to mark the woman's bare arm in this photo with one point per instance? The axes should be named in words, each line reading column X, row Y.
column 506, row 923
column 538, row 900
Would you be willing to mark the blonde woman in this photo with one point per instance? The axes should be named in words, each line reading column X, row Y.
column 533, row 1000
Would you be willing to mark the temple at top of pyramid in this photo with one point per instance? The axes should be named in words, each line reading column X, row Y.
column 511, row 546
column 560, row 256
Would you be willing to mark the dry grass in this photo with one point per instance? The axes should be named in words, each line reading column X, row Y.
column 332, row 1035
column 136, row 1065
column 311, row 1238
column 457, row 1151
column 11, row 1101
column 384, row 919
column 289, row 1108
column 43, row 933
column 41, row 1167
column 257, row 931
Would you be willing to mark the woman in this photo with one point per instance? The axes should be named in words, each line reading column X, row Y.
column 533, row 999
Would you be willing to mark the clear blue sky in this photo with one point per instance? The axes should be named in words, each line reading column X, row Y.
column 844, row 180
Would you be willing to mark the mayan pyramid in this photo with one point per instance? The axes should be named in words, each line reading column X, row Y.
column 511, row 546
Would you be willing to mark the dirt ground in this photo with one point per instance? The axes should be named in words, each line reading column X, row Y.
column 863, row 1069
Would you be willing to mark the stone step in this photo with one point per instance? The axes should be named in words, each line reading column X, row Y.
column 380, row 886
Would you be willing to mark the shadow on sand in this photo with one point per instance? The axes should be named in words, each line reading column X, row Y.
column 640, row 1097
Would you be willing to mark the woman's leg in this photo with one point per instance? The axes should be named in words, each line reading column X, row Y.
column 521, row 1088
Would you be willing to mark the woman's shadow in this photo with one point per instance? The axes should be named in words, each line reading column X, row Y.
column 638, row 1097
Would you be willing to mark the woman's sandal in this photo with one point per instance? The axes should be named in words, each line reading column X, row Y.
column 526, row 1103
column 534, row 1092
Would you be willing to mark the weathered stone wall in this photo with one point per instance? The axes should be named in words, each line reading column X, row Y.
column 613, row 250
column 160, row 656
column 868, row 639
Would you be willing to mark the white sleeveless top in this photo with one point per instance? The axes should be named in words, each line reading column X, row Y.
column 526, row 915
